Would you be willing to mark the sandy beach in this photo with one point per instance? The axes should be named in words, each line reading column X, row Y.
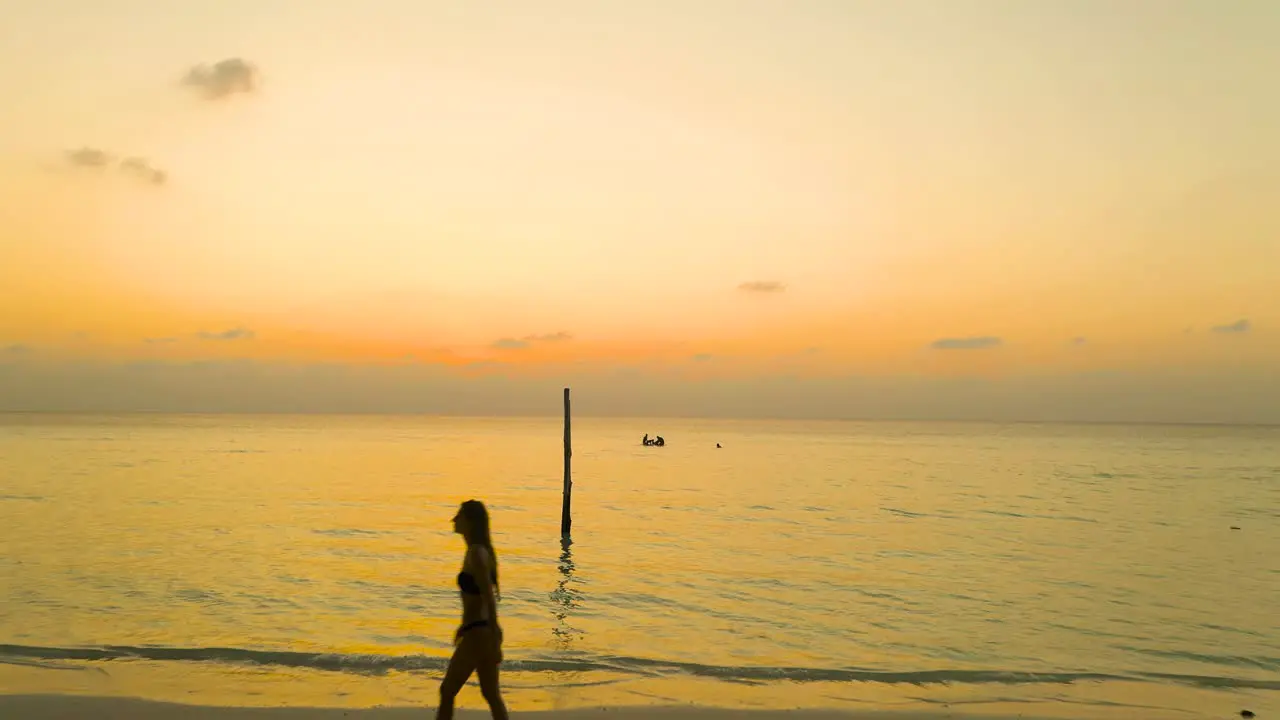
column 64, row 707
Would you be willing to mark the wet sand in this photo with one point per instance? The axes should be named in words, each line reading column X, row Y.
column 68, row 707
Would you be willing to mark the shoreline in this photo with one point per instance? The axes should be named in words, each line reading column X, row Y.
column 59, row 706
column 72, row 707
column 149, row 690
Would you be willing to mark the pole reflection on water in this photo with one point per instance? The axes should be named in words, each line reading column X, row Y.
column 565, row 599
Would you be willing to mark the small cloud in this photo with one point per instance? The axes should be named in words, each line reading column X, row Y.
column 160, row 340
column 17, row 349
column 222, row 79
column 232, row 334
column 89, row 157
column 143, row 170
column 1077, row 341
column 812, row 350
column 762, row 286
column 966, row 343
column 561, row 336
column 702, row 357
column 510, row 344
column 1239, row 326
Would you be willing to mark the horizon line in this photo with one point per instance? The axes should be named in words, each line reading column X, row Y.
column 675, row 416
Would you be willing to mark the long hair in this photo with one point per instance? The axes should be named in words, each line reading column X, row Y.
column 478, row 532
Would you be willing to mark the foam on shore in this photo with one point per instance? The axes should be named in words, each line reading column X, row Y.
column 72, row 707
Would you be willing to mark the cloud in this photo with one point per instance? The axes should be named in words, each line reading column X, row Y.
column 232, row 334
column 1229, row 395
column 966, row 343
column 222, row 79
column 136, row 167
column 143, row 170
column 159, row 340
column 561, row 336
column 762, row 286
column 702, row 357
column 1078, row 341
column 1239, row 326
column 89, row 157
column 510, row 344
column 17, row 349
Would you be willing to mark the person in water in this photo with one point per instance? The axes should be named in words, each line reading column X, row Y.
column 478, row 642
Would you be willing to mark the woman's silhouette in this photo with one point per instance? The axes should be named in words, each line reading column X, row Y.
column 478, row 642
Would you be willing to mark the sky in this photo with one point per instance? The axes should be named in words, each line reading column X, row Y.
column 959, row 209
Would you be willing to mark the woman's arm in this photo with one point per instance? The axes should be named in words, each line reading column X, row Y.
column 482, row 563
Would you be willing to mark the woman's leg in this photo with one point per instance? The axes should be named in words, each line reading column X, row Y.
column 460, row 667
column 487, row 673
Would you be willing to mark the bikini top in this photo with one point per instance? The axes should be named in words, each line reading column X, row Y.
column 467, row 583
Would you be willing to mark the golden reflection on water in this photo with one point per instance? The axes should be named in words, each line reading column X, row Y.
column 895, row 548
column 565, row 598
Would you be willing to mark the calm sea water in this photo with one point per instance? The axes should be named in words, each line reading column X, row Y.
column 274, row 559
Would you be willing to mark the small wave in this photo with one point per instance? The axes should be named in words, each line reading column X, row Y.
column 196, row 595
column 373, row 663
column 348, row 532
column 1033, row 516
column 1261, row 663
column 27, row 498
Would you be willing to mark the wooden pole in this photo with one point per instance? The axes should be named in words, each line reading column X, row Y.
column 566, row 519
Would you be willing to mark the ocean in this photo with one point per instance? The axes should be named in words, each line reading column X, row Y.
column 1065, row 570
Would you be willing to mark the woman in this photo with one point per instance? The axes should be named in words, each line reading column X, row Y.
column 478, row 642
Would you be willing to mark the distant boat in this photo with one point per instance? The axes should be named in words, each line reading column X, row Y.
column 657, row 441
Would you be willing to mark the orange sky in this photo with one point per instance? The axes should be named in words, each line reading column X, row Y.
column 728, row 189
